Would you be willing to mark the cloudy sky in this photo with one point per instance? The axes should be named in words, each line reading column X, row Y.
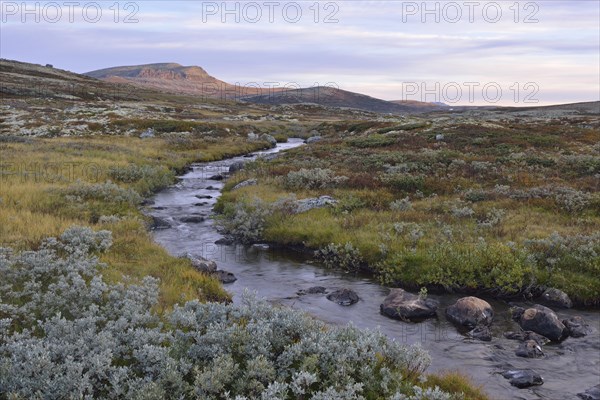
column 471, row 52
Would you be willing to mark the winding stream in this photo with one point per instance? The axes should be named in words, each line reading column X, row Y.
column 568, row 368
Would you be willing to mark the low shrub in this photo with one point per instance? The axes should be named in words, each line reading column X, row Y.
column 66, row 333
column 316, row 178
column 345, row 257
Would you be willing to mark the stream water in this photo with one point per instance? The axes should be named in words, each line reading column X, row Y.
column 568, row 368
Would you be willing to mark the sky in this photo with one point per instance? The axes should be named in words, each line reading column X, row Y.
column 456, row 52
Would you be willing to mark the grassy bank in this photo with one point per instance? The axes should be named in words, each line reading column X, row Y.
column 506, row 208
column 48, row 185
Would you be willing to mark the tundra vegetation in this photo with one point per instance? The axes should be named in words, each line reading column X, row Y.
column 91, row 307
column 504, row 207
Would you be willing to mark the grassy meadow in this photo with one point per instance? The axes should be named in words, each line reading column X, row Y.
column 50, row 184
column 504, row 208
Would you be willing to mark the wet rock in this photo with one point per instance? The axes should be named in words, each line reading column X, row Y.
column 147, row 202
column 202, row 264
column 203, row 203
column 470, row 312
column 529, row 349
column 159, row 208
column 194, row 219
column 481, row 332
column 314, row 202
column 525, row 336
column 556, row 298
column 268, row 138
column 405, row 306
column 541, row 320
column 312, row 290
column 217, row 177
column 523, row 378
column 343, row 297
column 576, row 326
column 211, row 188
column 313, row 139
column 592, row 393
column 261, row 246
column 225, row 241
column 225, row 276
column 203, row 196
column 236, row 166
column 247, row 182
column 159, row 223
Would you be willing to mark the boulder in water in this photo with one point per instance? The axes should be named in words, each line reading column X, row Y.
column 592, row 393
column 541, row 320
column 556, row 298
column 159, row 223
column 405, row 306
column 529, row 349
column 523, row 378
column 224, row 276
column 576, row 326
column 470, row 312
column 343, row 297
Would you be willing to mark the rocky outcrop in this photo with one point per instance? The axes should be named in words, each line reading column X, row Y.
column 405, row 306
column 541, row 320
column 523, row 378
column 159, row 223
column 247, row 182
column 202, row 264
column 314, row 202
column 236, row 166
column 470, row 312
column 343, row 297
column 556, row 298
column 268, row 138
column 313, row 139
column 225, row 276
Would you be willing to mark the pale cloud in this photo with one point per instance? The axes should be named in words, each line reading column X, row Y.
column 372, row 49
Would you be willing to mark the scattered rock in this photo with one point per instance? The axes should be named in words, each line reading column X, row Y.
column 439, row 137
column 313, row 139
column 529, row 349
column 470, row 312
column 405, row 306
column 252, row 136
column 159, row 223
column 148, row 133
column 211, row 188
column 541, row 320
column 147, row 202
column 159, row 208
column 247, row 182
column 523, row 378
column 592, row 393
column 194, row 219
column 314, row 202
column 224, row 276
column 225, row 241
column 236, row 166
column 312, row 290
column 203, row 203
column 481, row 332
column 576, row 326
column 217, row 177
column 556, row 298
column 202, row 264
column 261, row 246
column 343, row 297
column 525, row 336
column 268, row 138
column 203, row 196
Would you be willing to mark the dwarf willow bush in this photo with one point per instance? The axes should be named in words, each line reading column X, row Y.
column 316, row 178
column 66, row 333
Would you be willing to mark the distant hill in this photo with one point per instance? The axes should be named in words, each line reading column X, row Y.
column 174, row 78
column 333, row 97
